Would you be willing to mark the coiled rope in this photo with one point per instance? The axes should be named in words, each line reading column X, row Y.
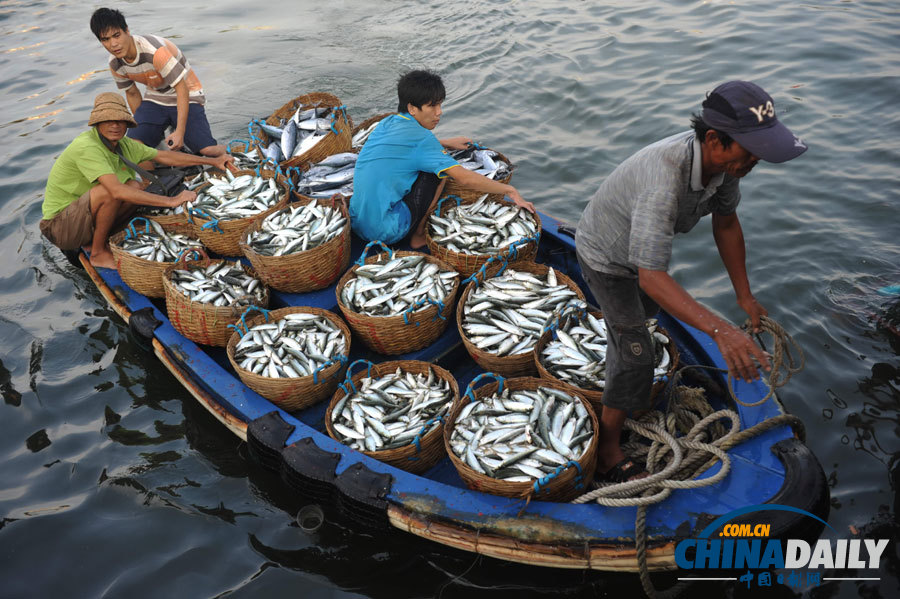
column 675, row 462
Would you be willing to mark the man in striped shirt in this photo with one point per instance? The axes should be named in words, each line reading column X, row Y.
column 624, row 243
column 174, row 97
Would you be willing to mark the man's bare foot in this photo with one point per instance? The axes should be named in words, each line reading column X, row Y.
column 104, row 259
column 612, row 465
column 417, row 241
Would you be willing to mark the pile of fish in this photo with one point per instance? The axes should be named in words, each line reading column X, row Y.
column 506, row 314
column 359, row 138
column 578, row 354
column 484, row 162
column 219, row 284
column 328, row 177
column 296, row 229
column 298, row 134
column 388, row 289
column 522, row 435
column 388, row 412
column 483, row 227
column 157, row 245
column 247, row 160
column 295, row 346
column 233, row 197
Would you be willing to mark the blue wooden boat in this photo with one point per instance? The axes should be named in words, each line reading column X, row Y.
column 774, row 467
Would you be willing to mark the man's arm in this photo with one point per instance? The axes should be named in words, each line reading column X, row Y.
column 175, row 140
column 456, row 143
column 472, row 180
column 133, row 195
column 133, row 95
column 736, row 347
column 730, row 241
column 183, row 159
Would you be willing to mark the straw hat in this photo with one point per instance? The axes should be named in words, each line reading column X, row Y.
column 110, row 106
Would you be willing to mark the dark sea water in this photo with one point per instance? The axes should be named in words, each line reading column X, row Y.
column 114, row 483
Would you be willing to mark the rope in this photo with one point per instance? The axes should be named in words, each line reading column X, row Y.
column 783, row 347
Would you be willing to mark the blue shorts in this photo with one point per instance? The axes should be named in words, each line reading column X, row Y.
column 153, row 119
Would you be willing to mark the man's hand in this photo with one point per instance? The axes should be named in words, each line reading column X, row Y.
column 175, row 141
column 514, row 194
column 224, row 161
column 181, row 198
column 754, row 310
column 456, row 143
column 739, row 351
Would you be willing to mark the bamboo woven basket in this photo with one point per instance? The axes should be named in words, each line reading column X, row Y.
column 224, row 236
column 454, row 188
column 337, row 141
column 565, row 486
column 142, row 275
column 412, row 458
column 201, row 322
column 595, row 396
column 509, row 366
column 466, row 264
column 313, row 269
column 293, row 394
column 365, row 124
column 392, row 335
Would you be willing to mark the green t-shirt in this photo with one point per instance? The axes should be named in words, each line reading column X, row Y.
column 82, row 163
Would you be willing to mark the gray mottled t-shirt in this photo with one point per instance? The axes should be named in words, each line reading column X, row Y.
column 657, row 192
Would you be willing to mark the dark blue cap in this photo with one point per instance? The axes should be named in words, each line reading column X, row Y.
column 746, row 112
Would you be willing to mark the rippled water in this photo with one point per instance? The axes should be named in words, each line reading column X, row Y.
column 114, row 483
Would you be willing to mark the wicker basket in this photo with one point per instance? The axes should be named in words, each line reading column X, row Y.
column 565, row 486
column 365, row 124
column 509, row 366
column 466, row 264
column 144, row 276
column 392, row 335
column 337, row 141
column 454, row 188
column 300, row 272
column 224, row 236
column 201, row 322
column 293, row 394
column 412, row 458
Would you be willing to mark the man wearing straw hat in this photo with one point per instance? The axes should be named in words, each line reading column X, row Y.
column 402, row 168
column 91, row 187
column 624, row 244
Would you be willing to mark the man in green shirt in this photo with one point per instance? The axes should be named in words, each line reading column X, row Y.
column 90, row 188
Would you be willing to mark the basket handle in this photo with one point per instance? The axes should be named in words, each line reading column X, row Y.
column 182, row 258
column 274, row 166
column 475, row 145
column 483, row 270
column 131, row 232
column 513, row 252
column 559, row 470
column 437, row 210
column 568, row 310
column 190, row 251
column 237, row 140
column 417, row 440
column 242, row 327
column 419, row 303
column 365, row 252
column 340, row 358
column 471, row 387
column 349, row 375
column 334, row 115
column 338, row 199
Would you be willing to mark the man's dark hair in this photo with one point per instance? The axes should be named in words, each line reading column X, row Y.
column 719, row 104
column 104, row 19
column 419, row 88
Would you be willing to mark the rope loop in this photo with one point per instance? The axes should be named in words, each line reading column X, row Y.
column 349, row 375
column 130, row 230
column 471, row 386
column 475, row 145
column 421, row 302
column 417, row 440
column 437, row 210
column 365, row 252
column 339, row 358
column 483, row 271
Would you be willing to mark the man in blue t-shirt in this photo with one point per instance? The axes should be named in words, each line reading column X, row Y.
column 402, row 168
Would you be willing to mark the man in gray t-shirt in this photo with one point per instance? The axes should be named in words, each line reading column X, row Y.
column 624, row 244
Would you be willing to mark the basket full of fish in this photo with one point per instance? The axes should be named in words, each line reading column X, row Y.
column 362, row 131
column 145, row 249
column 225, row 207
column 397, row 302
column 302, row 247
column 394, row 412
column 204, row 296
column 306, row 129
column 293, row 356
column 484, row 161
column 330, row 176
column 523, row 437
column 572, row 351
column 503, row 311
column 465, row 234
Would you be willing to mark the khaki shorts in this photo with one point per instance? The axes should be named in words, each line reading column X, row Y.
column 73, row 227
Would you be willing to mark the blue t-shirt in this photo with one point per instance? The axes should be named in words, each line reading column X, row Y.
column 396, row 152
